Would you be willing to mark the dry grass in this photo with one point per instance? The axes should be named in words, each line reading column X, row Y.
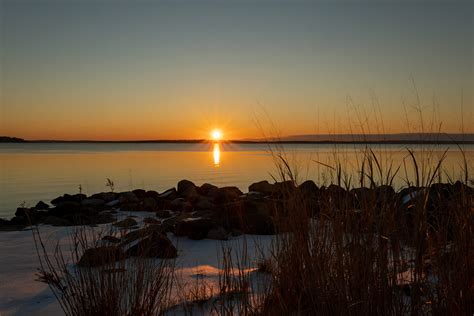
column 116, row 285
column 361, row 253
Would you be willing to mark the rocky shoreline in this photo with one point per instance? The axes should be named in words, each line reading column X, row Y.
column 205, row 211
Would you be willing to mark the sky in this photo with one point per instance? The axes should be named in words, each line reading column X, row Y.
column 123, row 70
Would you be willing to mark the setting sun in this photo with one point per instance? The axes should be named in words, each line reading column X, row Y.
column 216, row 134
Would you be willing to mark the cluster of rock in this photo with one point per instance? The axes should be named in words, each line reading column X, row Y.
column 208, row 211
column 148, row 242
column 196, row 211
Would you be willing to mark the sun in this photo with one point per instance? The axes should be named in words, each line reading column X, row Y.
column 216, row 134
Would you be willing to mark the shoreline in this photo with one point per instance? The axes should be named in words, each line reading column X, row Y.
column 201, row 141
column 224, row 208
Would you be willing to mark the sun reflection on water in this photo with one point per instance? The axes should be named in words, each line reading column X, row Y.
column 216, row 152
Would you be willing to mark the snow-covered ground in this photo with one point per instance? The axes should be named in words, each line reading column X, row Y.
column 21, row 294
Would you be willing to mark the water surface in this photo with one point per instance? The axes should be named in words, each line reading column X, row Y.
column 39, row 171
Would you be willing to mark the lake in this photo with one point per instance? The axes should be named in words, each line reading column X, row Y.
column 42, row 171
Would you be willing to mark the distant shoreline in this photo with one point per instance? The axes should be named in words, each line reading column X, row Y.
column 389, row 142
column 432, row 139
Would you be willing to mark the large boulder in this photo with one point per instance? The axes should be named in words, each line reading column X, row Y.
column 204, row 203
column 41, row 206
column 77, row 198
column 338, row 197
column 227, row 194
column 94, row 203
column 187, row 190
column 363, row 197
column 152, row 194
column 128, row 198
column 99, row 256
column 181, row 205
column 194, row 228
column 66, row 208
column 284, row 188
column 28, row 213
column 385, row 194
column 207, row 189
column 139, row 193
column 262, row 187
column 308, row 189
column 169, row 194
column 105, row 196
column 259, row 224
column 150, row 204
column 153, row 245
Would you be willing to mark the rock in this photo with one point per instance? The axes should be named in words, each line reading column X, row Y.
column 111, row 239
column 231, row 215
column 126, row 223
column 41, row 206
column 99, row 256
column 154, row 245
column 28, row 213
column 339, row 197
column 94, row 203
column 247, row 217
column 149, row 204
column 194, row 228
column 128, row 197
column 20, row 221
column 263, row 187
column 105, row 196
column 385, row 194
column 265, row 207
column 112, row 203
column 56, row 221
column 308, row 189
column 203, row 203
column 218, row 233
column 77, row 198
column 259, row 225
column 66, row 208
column 169, row 194
column 364, row 197
column 139, row 193
column 135, row 235
column 181, row 205
column 152, row 194
column 206, row 189
column 227, row 194
column 188, row 190
column 184, row 186
column 131, row 207
column 284, row 188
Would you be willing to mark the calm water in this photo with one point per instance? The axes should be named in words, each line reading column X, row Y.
column 33, row 172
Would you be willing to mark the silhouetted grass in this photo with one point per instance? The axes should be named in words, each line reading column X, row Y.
column 106, row 284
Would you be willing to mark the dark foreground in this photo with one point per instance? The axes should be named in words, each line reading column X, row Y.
column 338, row 252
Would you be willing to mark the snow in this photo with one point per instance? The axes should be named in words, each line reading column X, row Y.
column 20, row 294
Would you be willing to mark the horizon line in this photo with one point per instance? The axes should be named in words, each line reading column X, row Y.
column 449, row 138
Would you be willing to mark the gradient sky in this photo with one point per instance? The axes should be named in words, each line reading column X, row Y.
column 176, row 69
